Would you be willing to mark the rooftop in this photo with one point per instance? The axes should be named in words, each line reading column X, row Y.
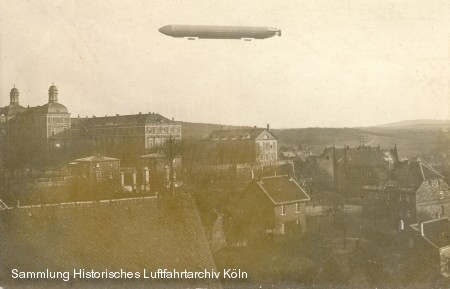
column 237, row 134
column 95, row 159
column 120, row 120
column 132, row 234
column 282, row 189
column 436, row 232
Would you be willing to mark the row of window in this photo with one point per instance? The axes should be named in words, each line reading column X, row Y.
column 53, row 119
column 164, row 129
column 266, row 146
column 283, row 209
column 267, row 157
column 155, row 142
column 283, row 226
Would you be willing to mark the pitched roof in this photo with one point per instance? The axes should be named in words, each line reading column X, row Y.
column 120, row 120
column 149, row 234
column 237, row 134
column 95, row 159
column 436, row 232
column 363, row 156
column 282, row 189
column 413, row 173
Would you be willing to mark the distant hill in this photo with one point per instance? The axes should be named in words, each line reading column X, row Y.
column 192, row 130
column 413, row 138
column 418, row 124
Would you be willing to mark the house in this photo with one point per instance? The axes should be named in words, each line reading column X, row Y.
column 415, row 193
column 346, row 170
column 272, row 206
column 239, row 146
column 430, row 244
column 96, row 168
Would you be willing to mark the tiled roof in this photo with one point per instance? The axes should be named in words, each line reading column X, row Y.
column 153, row 156
column 415, row 172
column 125, row 234
column 96, row 159
column 363, row 156
column 437, row 232
column 282, row 189
column 119, row 120
column 237, row 134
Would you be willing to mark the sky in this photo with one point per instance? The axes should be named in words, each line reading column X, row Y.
column 338, row 63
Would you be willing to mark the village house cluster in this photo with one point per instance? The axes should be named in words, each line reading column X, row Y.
column 271, row 188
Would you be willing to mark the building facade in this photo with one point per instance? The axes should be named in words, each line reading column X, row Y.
column 346, row 170
column 124, row 136
column 415, row 193
column 238, row 146
column 35, row 131
column 273, row 206
column 7, row 113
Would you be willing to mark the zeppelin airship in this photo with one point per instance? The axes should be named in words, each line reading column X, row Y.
column 192, row 32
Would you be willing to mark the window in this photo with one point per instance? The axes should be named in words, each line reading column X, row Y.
column 441, row 195
column 407, row 198
column 411, row 242
column 400, row 197
column 283, row 230
column 297, row 208
column 283, row 210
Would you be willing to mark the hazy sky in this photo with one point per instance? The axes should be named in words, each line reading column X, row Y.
column 337, row 63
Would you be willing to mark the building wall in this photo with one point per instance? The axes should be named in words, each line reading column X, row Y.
column 267, row 151
column 157, row 135
column 433, row 200
column 291, row 220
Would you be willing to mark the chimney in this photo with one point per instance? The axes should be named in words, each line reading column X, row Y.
column 422, row 233
column 268, row 126
column 401, row 226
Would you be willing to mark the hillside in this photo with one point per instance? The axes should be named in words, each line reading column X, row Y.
column 423, row 124
column 413, row 138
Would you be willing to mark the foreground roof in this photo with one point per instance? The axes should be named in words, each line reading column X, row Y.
column 282, row 189
column 436, row 232
column 130, row 234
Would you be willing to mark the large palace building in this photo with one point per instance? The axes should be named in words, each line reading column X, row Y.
column 46, row 135
column 33, row 131
column 124, row 136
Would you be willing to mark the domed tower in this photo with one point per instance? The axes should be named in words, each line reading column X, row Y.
column 14, row 96
column 52, row 94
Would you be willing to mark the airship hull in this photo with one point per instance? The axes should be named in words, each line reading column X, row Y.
column 219, row 32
